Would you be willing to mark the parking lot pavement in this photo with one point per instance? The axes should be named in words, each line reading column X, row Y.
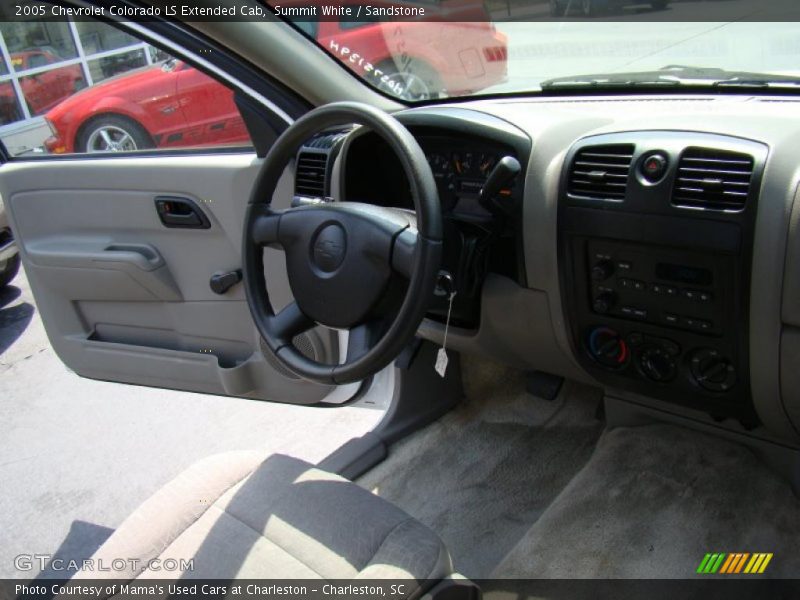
column 77, row 456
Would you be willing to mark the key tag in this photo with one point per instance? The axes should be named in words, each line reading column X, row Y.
column 441, row 356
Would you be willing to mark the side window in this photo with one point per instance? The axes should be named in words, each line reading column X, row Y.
column 80, row 87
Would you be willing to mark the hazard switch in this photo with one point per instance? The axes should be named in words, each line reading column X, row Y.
column 653, row 167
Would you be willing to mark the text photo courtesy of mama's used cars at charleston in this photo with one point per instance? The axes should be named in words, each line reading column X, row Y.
column 435, row 300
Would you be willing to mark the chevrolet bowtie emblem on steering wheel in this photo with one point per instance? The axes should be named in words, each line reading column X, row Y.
column 330, row 246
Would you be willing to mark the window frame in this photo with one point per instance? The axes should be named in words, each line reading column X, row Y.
column 281, row 105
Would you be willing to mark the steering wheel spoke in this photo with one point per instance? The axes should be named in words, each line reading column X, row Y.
column 403, row 250
column 266, row 226
column 362, row 338
column 289, row 322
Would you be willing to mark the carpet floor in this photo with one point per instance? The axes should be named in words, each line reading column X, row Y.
column 652, row 502
column 484, row 473
column 519, row 487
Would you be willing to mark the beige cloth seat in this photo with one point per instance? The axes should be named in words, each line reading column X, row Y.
column 237, row 515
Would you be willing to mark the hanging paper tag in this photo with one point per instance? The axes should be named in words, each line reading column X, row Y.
column 441, row 356
column 441, row 362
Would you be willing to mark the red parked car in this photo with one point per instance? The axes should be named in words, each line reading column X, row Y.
column 174, row 105
column 167, row 105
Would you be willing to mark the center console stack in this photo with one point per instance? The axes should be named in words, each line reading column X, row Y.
column 655, row 242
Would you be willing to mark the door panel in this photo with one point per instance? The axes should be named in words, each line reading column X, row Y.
column 125, row 298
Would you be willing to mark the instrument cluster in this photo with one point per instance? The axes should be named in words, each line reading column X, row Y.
column 460, row 174
column 461, row 166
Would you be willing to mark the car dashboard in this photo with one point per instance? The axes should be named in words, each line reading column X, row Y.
column 649, row 244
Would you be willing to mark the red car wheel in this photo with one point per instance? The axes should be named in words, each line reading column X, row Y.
column 416, row 80
column 112, row 133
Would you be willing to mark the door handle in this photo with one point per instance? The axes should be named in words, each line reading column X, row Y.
column 180, row 213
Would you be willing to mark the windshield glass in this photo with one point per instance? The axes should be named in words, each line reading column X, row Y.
column 419, row 51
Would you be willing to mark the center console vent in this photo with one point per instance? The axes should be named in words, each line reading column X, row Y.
column 713, row 179
column 601, row 172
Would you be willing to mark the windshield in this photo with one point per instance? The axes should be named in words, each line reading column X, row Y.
column 453, row 48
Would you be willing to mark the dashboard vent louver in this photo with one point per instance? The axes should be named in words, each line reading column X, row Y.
column 713, row 179
column 601, row 172
column 325, row 141
column 310, row 174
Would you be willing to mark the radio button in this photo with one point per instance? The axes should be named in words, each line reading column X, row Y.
column 703, row 325
column 663, row 290
column 632, row 284
column 697, row 295
column 633, row 312
column 698, row 324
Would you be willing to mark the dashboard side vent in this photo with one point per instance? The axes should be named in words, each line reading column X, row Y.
column 601, row 172
column 325, row 141
column 313, row 160
column 713, row 179
column 310, row 174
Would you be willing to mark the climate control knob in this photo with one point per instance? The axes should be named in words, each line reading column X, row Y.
column 712, row 371
column 657, row 364
column 602, row 270
column 608, row 348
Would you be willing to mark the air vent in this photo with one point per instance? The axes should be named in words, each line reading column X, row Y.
column 713, row 179
column 601, row 172
column 310, row 174
column 325, row 141
column 311, row 171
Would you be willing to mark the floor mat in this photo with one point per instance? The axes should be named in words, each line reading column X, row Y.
column 483, row 474
column 652, row 502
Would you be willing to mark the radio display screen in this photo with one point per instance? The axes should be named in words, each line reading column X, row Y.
column 684, row 274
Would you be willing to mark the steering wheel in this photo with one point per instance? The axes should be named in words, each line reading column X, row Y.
column 354, row 266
